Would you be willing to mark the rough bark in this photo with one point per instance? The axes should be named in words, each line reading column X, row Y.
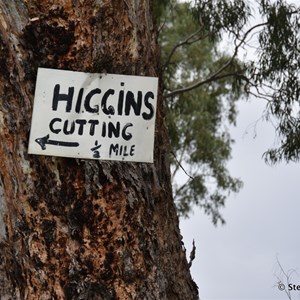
column 80, row 229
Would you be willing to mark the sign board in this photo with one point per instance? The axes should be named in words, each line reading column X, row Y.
column 93, row 116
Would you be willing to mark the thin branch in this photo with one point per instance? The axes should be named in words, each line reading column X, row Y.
column 187, row 41
column 213, row 77
column 161, row 27
column 287, row 278
column 216, row 75
column 259, row 96
column 180, row 165
column 181, row 188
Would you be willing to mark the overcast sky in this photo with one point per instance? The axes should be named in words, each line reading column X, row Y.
column 238, row 260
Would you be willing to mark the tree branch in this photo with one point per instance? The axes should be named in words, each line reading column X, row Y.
column 187, row 41
column 180, row 188
column 213, row 77
column 287, row 276
column 217, row 75
column 180, row 165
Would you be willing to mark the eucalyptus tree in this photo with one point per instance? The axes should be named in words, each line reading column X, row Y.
column 76, row 228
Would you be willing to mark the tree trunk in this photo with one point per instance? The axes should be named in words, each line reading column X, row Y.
column 82, row 229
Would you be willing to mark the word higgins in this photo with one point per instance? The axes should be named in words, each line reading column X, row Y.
column 126, row 104
column 98, row 116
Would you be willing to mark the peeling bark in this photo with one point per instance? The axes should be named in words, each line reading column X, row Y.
column 80, row 229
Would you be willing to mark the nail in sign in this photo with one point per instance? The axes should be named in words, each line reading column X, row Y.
column 93, row 116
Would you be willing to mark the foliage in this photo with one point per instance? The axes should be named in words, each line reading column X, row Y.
column 279, row 67
column 203, row 84
column 159, row 7
column 219, row 16
column 274, row 75
column 196, row 119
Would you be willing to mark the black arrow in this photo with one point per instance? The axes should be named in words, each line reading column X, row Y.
column 43, row 141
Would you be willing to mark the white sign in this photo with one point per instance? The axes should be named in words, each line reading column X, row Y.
column 93, row 116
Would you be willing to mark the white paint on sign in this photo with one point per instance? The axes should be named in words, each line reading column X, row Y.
column 93, row 116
